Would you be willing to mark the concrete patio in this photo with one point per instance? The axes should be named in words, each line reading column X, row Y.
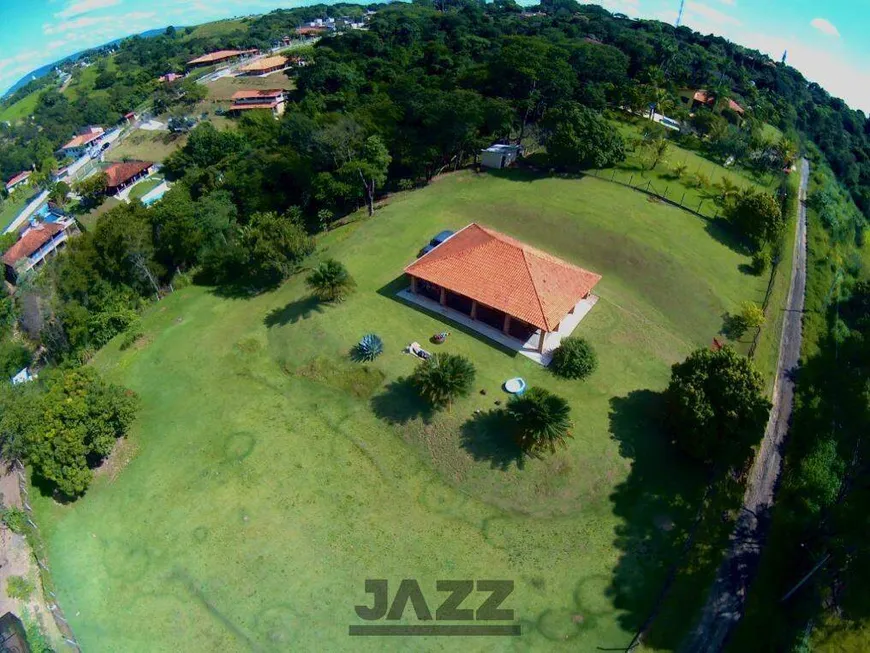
column 529, row 348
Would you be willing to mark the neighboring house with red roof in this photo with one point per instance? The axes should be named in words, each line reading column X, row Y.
column 18, row 180
column 271, row 99
column 701, row 97
column 38, row 242
column 82, row 142
column 221, row 56
column 122, row 175
column 502, row 282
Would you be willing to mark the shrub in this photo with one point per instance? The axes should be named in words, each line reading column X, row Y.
column 752, row 315
column 574, row 359
column 15, row 519
column 444, row 377
column 369, row 348
column 330, row 281
column 541, row 418
column 131, row 335
column 761, row 261
column 18, row 587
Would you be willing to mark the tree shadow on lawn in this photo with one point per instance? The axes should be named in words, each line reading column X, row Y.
column 400, row 403
column 300, row 309
column 722, row 232
column 657, row 504
column 487, row 438
column 391, row 290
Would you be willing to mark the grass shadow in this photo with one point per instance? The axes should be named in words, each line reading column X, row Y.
column 391, row 290
column 487, row 438
column 301, row 309
column 399, row 403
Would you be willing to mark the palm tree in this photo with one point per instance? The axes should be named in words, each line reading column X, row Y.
column 542, row 420
column 330, row 281
column 443, row 377
column 727, row 189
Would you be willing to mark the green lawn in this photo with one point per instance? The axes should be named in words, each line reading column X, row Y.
column 21, row 109
column 144, row 145
column 269, row 476
column 219, row 28
column 144, row 187
column 13, row 206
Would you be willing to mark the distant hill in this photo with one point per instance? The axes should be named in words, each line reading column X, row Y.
column 46, row 69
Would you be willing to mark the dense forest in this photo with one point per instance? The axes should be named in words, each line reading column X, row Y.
column 420, row 92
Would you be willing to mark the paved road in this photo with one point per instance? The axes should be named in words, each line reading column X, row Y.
column 727, row 597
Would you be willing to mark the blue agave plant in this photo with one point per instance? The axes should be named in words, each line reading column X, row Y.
column 370, row 347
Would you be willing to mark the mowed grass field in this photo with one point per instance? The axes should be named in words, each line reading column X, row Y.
column 21, row 109
column 221, row 90
column 145, row 145
column 269, row 476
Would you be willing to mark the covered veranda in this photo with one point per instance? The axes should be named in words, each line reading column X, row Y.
column 518, row 296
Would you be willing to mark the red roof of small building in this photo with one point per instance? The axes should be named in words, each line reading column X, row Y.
column 220, row 55
column 506, row 274
column 21, row 176
column 118, row 173
column 31, row 241
column 310, row 30
column 265, row 94
column 704, row 97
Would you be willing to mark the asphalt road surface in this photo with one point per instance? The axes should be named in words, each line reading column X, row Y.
column 727, row 597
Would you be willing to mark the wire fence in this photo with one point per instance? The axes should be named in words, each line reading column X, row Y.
column 39, row 553
column 676, row 195
column 678, row 198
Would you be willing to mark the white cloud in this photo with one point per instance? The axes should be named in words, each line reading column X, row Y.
column 85, row 6
column 697, row 10
column 92, row 23
column 825, row 27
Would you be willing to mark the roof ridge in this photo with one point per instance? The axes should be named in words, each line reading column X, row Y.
column 535, row 287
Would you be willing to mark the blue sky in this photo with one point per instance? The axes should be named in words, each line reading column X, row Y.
column 825, row 40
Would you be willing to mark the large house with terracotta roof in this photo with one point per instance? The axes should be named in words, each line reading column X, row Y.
column 271, row 99
column 503, row 283
column 38, row 242
column 122, row 175
column 264, row 66
column 219, row 57
column 17, row 181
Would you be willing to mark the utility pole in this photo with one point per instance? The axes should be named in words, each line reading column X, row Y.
column 680, row 13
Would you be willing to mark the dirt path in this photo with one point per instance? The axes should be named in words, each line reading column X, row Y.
column 727, row 596
column 16, row 559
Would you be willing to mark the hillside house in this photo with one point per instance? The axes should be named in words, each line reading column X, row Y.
column 219, row 57
column 265, row 66
column 85, row 142
column 500, row 156
column 505, row 289
column 39, row 241
column 169, row 77
column 124, row 175
column 695, row 99
column 270, row 99
column 18, row 180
